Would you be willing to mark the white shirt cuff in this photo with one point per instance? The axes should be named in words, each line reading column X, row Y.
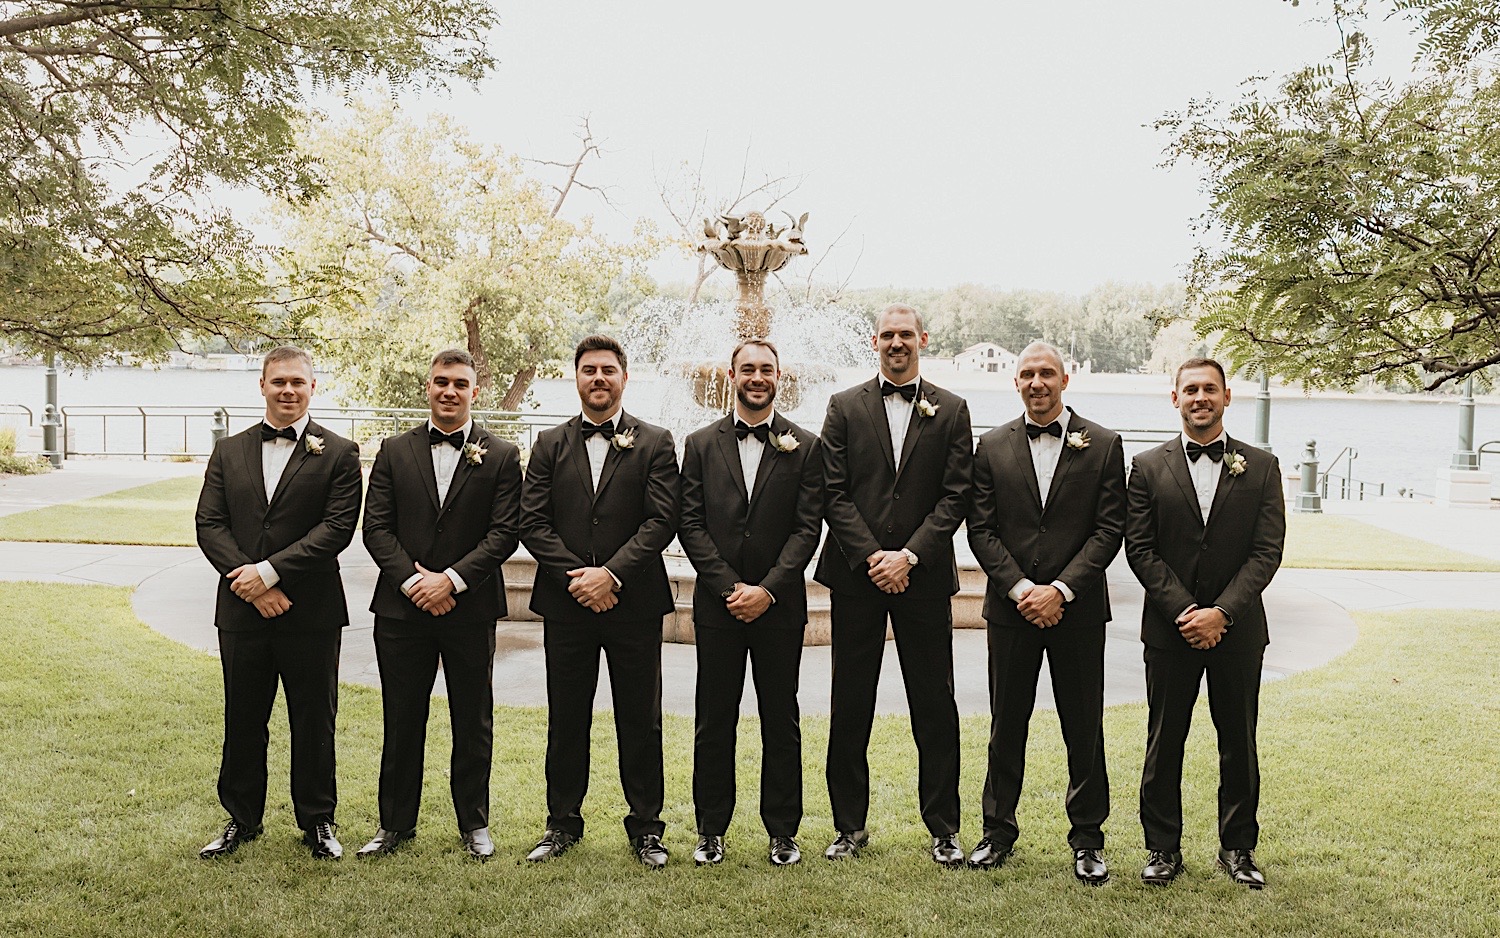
column 1018, row 592
column 770, row 594
column 268, row 574
column 458, row 582
column 618, row 584
column 1062, row 587
column 411, row 581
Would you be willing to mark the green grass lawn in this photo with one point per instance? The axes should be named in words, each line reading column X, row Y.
column 155, row 513
column 1334, row 542
column 1379, row 812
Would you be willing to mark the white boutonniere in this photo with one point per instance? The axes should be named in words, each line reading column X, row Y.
column 1236, row 462
column 313, row 444
column 785, row 442
column 475, row 453
column 926, row 408
column 1079, row 439
column 625, row 439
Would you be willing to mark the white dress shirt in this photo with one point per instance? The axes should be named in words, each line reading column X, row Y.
column 444, row 465
column 898, row 416
column 1205, row 473
column 598, row 445
column 1046, row 449
column 751, row 450
column 274, row 456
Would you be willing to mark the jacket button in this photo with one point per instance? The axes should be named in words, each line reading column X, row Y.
column 1035, row 563
column 887, row 529
column 596, row 520
column 747, row 533
column 266, row 524
column 1044, row 529
column 898, row 495
column 1205, row 546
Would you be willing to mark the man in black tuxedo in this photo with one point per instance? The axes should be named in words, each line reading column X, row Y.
column 442, row 514
column 897, row 454
column 1203, row 534
column 598, row 507
column 1047, row 517
column 752, row 508
column 279, row 503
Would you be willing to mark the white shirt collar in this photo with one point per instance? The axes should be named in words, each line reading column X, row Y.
column 600, row 423
column 1061, row 421
column 880, row 378
column 466, row 428
column 1223, row 435
column 770, row 417
column 300, row 425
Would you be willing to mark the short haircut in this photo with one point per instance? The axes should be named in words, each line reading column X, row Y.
column 600, row 343
column 1200, row 363
column 282, row 353
column 754, row 340
column 1048, row 347
column 452, row 356
column 901, row 308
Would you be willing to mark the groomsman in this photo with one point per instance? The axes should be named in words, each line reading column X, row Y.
column 442, row 515
column 279, row 503
column 1047, row 517
column 751, row 512
column 897, row 456
column 598, row 506
column 1203, row 534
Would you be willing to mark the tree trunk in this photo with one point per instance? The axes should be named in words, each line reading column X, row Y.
column 519, row 385
column 483, row 377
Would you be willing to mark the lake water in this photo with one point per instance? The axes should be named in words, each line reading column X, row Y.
column 1402, row 441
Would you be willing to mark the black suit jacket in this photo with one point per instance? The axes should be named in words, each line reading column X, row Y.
column 624, row 525
column 870, row 505
column 474, row 530
column 763, row 538
column 1072, row 540
column 1180, row 562
column 309, row 520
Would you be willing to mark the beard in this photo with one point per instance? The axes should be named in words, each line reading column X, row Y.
column 740, row 396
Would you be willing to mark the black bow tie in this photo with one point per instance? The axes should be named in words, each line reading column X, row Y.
column 908, row 391
column 1034, row 430
column 605, row 429
column 269, row 433
column 1214, row 450
column 760, row 431
column 454, row 439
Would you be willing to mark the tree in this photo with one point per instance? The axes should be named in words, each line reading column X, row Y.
column 108, row 242
column 442, row 241
column 1352, row 224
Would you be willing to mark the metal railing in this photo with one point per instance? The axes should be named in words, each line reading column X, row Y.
column 1491, row 448
column 1349, row 488
column 17, row 410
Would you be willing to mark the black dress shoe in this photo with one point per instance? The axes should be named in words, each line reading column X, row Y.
column 554, row 843
column 947, row 851
column 1089, row 866
column 847, row 845
column 784, row 851
column 649, row 850
column 477, row 843
column 229, row 841
column 324, row 845
column 710, row 850
column 1240, row 865
column 384, row 842
column 988, row 855
column 1162, row 866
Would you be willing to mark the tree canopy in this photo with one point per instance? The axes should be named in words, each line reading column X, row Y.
column 116, row 119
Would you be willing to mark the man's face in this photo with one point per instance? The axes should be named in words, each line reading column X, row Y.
column 451, row 390
column 755, row 376
column 287, row 386
column 1040, row 379
column 1201, row 397
column 601, row 382
column 899, row 344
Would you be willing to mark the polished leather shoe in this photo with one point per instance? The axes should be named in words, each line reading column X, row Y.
column 649, row 850
column 554, row 843
column 1162, row 867
column 229, row 841
column 1240, row 865
column 384, row 842
column 988, row 855
column 847, row 845
column 785, row 852
column 1089, row 866
column 947, row 851
column 324, row 845
column 477, row 843
column 710, row 850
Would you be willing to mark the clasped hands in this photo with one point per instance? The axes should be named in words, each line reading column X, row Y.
column 1041, row 605
column 433, row 593
column 1202, row 628
column 747, row 602
column 890, row 569
column 594, row 588
column 269, row 601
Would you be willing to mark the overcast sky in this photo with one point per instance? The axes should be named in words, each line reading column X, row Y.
column 1004, row 143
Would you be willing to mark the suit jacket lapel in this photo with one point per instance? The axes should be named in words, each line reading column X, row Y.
column 612, row 455
column 579, row 454
column 1064, row 463
column 875, row 404
column 463, row 470
column 768, row 458
column 421, row 453
column 1177, row 465
column 1226, row 482
column 1020, row 450
column 299, row 456
column 729, row 448
column 251, row 450
column 914, row 425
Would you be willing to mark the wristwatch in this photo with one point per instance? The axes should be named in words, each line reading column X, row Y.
column 911, row 558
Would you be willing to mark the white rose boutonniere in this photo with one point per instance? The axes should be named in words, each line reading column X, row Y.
column 313, row 444
column 926, row 408
column 625, row 439
column 1079, row 439
column 1236, row 462
column 786, row 442
column 475, row 453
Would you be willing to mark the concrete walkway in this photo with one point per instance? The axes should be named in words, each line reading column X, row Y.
column 85, row 478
